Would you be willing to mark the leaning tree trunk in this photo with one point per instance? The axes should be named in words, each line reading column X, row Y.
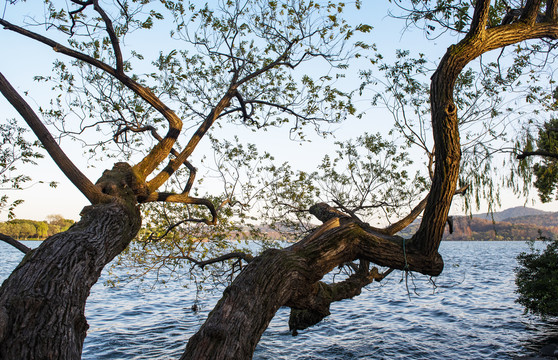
column 42, row 303
column 290, row 277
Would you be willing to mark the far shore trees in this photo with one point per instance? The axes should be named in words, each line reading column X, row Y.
column 22, row 229
column 238, row 67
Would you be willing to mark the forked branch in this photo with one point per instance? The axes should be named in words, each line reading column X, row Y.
column 109, row 28
column 407, row 220
column 213, row 115
column 175, row 153
column 159, row 152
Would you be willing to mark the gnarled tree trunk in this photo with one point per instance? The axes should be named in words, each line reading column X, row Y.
column 290, row 277
column 42, row 303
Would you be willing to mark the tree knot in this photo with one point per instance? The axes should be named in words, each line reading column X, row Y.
column 451, row 109
column 324, row 212
column 122, row 182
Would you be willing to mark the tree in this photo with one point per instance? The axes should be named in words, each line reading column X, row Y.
column 21, row 228
column 317, row 252
column 60, row 222
column 246, row 63
column 42, row 229
column 254, row 88
column 535, row 278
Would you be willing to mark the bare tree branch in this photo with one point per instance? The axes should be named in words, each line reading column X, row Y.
column 480, row 17
column 551, row 13
column 184, row 199
column 169, row 229
column 10, row 240
column 542, row 153
column 87, row 188
column 235, row 255
column 113, row 37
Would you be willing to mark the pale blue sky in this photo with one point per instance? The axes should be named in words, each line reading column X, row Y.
column 26, row 58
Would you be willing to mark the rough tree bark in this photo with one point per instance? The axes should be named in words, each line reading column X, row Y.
column 42, row 303
column 290, row 277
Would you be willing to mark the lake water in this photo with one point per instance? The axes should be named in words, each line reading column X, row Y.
column 469, row 314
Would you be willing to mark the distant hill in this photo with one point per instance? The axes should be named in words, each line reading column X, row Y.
column 519, row 223
column 466, row 228
column 547, row 219
column 511, row 213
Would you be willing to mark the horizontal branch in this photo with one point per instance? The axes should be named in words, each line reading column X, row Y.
column 235, row 255
column 184, row 199
column 324, row 212
column 542, row 153
column 10, row 240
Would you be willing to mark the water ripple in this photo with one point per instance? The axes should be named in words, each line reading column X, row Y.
column 469, row 314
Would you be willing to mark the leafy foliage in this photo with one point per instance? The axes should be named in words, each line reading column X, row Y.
column 495, row 96
column 263, row 202
column 367, row 176
column 249, row 47
column 537, row 279
column 546, row 170
column 23, row 229
column 15, row 150
column 173, row 241
column 483, row 120
column 173, row 248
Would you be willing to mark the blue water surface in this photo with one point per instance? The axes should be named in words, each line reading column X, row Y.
column 466, row 313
